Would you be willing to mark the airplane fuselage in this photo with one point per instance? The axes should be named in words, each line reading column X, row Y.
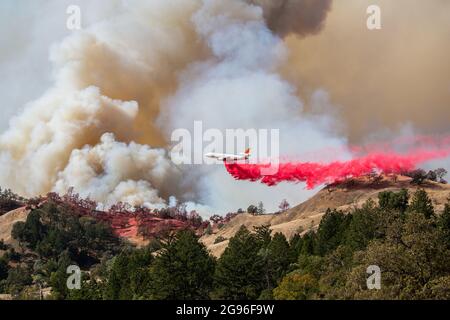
column 227, row 157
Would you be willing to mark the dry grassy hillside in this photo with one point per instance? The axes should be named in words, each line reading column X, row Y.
column 308, row 214
column 8, row 220
column 301, row 218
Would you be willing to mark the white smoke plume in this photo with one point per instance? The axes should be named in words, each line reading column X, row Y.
column 121, row 85
column 112, row 171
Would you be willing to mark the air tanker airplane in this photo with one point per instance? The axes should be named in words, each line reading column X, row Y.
column 229, row 157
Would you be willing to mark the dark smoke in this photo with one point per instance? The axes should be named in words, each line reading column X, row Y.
column 302, row 17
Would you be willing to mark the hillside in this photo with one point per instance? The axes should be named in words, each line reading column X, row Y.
column 8, row 220
column 56, row 232
column 139, row 228
column 307, row 215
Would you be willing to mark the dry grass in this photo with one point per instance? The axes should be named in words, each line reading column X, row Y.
column 308, row 214
column 7, row 222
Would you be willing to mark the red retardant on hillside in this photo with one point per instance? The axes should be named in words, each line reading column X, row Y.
column 314, row 173
column 126, row 221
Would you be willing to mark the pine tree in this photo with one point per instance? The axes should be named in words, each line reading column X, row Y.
column 295, row 246
column 279, row 258
column 129, row 275
column 444, row 223
column 363, row 226
column 261, row 209
column 3, row 269
column 58, row 279
column 329, row 234
column 239, row 273
column 389, row 200
column 118, row 285
column 263, row 234
column 421, row 203
column 183, row 270
column 308, row 243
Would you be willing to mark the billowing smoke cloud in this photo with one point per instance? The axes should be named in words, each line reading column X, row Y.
column 238, row 87
column 107, row 79
column 112, row 171
column 301, row 17
column 140, row 70
column 382, row 80
column 95, row 129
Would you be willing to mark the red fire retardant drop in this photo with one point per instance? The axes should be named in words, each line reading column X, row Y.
column 314, row 174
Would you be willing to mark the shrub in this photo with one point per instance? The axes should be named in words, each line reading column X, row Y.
column 296, row 287
column 418, row 176
column 219, row 239
column 3, row 245
column 252, row 209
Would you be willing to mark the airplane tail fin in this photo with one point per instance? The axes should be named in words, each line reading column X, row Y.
column 246, row 154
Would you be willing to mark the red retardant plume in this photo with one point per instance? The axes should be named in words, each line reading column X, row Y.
column 314, row 173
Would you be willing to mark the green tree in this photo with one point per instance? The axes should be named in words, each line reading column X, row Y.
column 295, row 246
column 239, row 272
column 432, row 176
column 31, row 231
column 263, row 234
column 183, row 269
column 55, row 228
column 279, row 258
column 296, row 286
column 411, row 258
column 330, row 232
column 3, row 269
column 444, row 223
column 363, row 226
column 331, row 271
column 18, row 230
column 438, row 289
column 261, row 209
column 421, row 203
column 252, row 209
column 90, row 290
column 118, row 284
column 129, row 275
column 308, row 243
column 18, row 279
column 3, row 245
column 58, row 278
column 9, row 201
column 389, row 200
column 418, row 176
column 310, row 264
column 440, row 174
